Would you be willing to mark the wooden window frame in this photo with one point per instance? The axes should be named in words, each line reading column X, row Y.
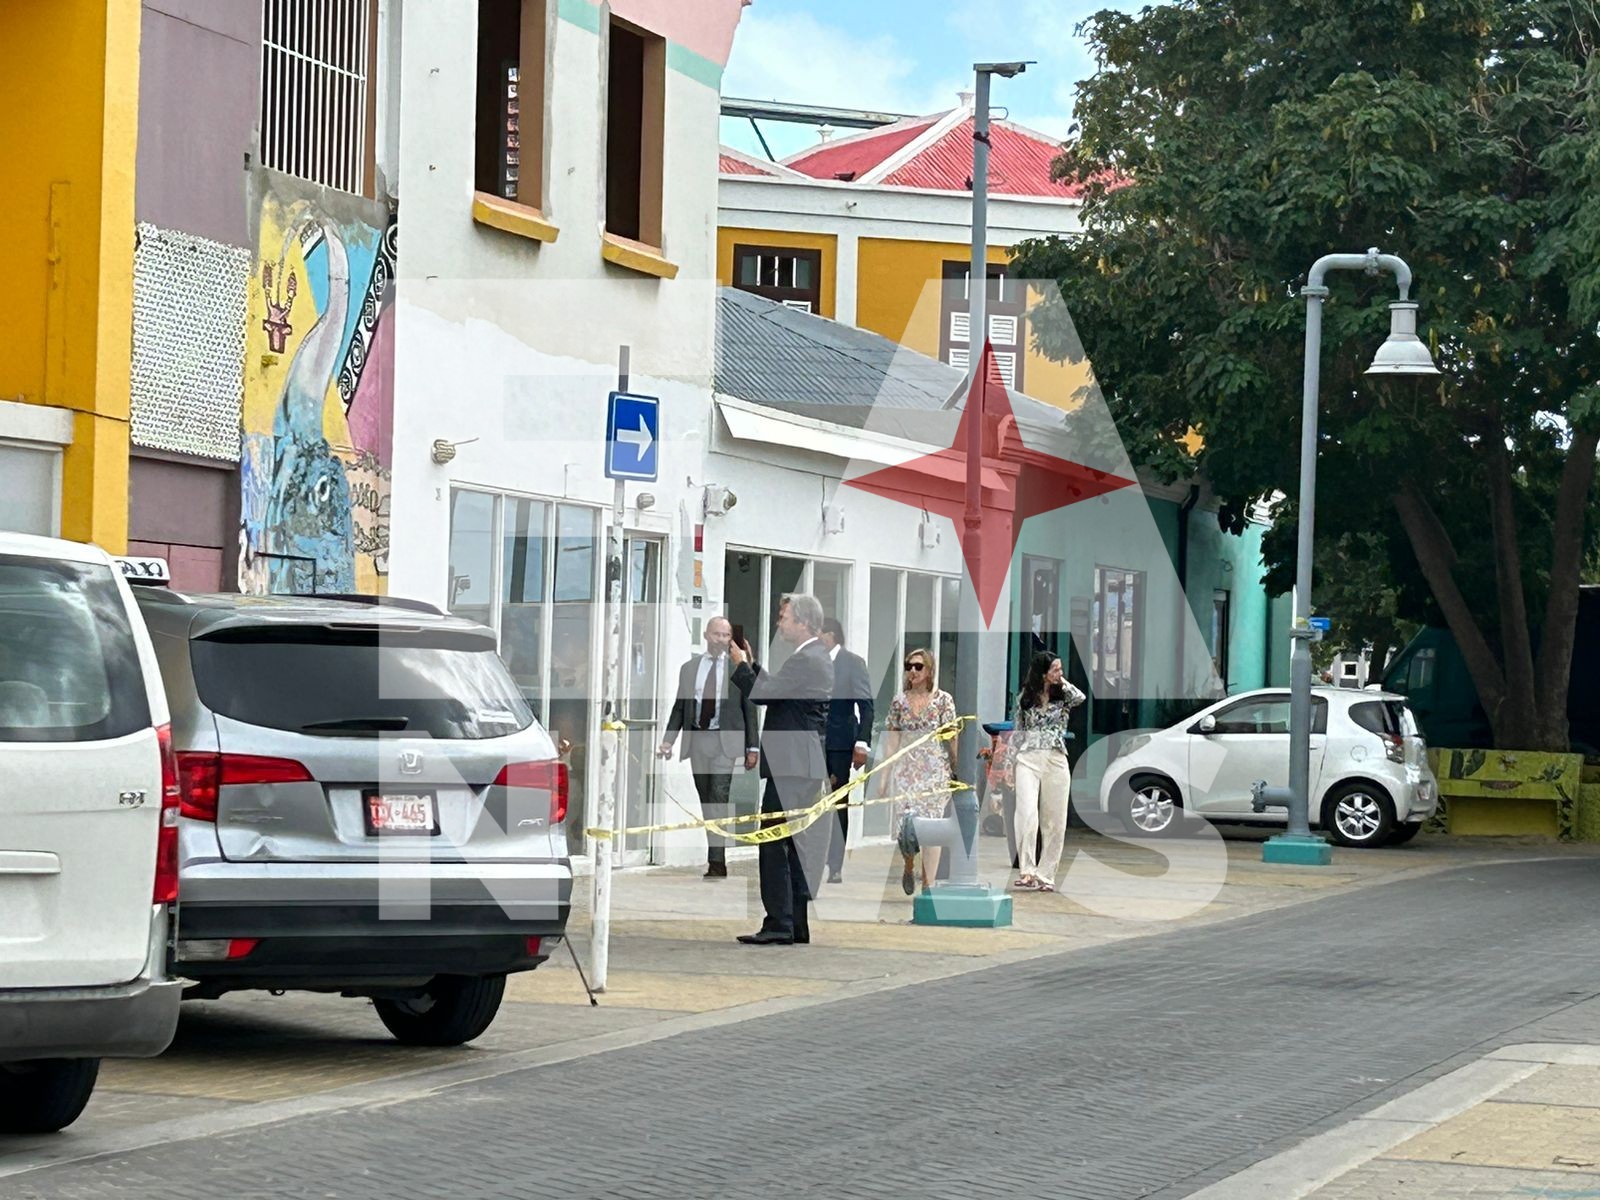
column 524, row 213
column 951, row 302
column 652, row 142
column 744, row 250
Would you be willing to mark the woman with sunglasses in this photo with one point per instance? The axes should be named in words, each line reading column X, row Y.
column 922, row 778
column 1042, row 774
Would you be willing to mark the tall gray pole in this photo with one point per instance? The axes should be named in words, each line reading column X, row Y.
column 971, row 630
column 612, row 731
column 1298, row 844
column 1300, row 656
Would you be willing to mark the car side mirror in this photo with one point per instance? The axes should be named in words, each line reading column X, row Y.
column 1208, row 724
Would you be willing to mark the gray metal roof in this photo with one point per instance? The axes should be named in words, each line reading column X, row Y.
column 769, row 354
column 796, row 362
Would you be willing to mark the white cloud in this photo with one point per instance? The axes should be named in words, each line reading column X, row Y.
column 795, row 57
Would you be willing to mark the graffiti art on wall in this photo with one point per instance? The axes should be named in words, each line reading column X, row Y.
column 319, row 399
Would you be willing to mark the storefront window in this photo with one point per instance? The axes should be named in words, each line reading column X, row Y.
column 539, row 594
column 908, row 611
column 471, row 583
column 522, row 595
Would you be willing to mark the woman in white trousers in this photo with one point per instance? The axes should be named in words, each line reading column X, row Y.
column 1041, row 772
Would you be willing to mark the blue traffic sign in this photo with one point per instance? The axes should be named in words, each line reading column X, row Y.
column 633, row 432
column 1321, row 624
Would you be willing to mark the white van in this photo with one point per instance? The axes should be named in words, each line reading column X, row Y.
column 88, row 831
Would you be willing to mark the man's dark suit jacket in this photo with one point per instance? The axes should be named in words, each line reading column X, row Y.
column 796, row 699
column 850, row 711
column 736, row 721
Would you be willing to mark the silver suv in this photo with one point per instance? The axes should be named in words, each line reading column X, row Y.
column 368, row 806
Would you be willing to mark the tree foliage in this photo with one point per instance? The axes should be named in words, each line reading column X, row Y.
column 1223, row 146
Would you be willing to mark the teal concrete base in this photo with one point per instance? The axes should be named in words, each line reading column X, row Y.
column 1297, row 851
column 980, row 907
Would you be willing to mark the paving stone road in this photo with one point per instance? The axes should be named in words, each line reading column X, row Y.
column 1146, row 1068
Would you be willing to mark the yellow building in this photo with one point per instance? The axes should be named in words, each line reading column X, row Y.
column 874, row 230
column 69, row 86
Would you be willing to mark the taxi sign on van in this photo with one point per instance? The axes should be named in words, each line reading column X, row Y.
column 150, row 572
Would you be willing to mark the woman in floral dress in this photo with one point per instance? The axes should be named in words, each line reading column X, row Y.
column 922, row 778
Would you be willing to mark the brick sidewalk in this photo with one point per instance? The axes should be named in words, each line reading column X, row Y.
column 674, row 959
column 1523, row 1121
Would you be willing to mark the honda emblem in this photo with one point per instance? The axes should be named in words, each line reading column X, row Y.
column 411, row 762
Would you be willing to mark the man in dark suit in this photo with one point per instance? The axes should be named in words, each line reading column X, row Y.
column 714, row 725
column 793, row 764
column 849, row 731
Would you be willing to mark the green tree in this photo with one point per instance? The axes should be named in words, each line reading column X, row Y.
column 1223, row 146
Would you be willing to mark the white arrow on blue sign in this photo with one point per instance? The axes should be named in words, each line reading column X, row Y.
column 633, row 437
column 1321, row 623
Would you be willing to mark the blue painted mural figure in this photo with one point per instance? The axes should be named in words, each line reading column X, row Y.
column 309, row 533
column 318, row 404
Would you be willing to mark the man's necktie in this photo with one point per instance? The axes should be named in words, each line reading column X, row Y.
column 708, row 698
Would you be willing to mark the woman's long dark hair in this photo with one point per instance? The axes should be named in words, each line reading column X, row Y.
column 1034, row 685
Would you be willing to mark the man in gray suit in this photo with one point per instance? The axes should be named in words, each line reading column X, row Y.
column 714, row 724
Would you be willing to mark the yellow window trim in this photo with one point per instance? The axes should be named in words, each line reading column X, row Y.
column 636, row 256
column 511, row 217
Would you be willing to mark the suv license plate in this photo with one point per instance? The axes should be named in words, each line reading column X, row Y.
column 401, row 812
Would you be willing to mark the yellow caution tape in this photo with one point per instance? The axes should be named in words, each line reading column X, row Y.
column 775, row 826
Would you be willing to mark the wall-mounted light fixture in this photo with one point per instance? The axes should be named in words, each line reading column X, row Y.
column 444, row 451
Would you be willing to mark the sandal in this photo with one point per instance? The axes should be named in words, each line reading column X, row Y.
column 1044, row 886
column 1025, row 883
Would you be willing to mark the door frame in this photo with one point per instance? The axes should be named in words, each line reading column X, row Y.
column 649, row 854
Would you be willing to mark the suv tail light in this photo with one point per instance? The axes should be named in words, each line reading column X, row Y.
column 1394, row 745
column 548, row 774
column 166, row 885
column 203, row 773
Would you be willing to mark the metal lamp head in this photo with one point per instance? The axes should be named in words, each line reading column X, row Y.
column 1403, row 352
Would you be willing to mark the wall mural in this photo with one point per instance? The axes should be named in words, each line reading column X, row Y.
column 319, row 398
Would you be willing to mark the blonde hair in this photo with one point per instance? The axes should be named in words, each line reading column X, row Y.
column 932, row 673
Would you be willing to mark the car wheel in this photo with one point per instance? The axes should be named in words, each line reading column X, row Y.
column 451, row 1010
column 1358, row 814
column 45, row 1096
column 1153, row 807
column 1404, row 833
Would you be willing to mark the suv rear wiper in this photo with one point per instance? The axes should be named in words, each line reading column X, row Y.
column 357, row 724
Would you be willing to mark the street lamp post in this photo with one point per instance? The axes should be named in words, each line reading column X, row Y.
column 1403, row 353
column 969, row 636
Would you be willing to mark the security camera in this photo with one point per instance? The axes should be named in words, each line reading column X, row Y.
column 718, row 501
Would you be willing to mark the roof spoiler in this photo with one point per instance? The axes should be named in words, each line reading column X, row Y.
column 380, row 601
column 142, row 571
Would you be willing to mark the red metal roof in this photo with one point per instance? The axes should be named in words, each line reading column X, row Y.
column 1019, row 164
column 856, row 156
column 731, row 164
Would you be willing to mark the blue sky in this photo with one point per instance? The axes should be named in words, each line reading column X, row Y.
column 904, row 56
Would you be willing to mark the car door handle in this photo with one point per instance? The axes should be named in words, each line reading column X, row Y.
column 133, row 798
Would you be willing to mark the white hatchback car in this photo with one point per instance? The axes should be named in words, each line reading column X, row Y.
column 88, row 831
column 1370, row 781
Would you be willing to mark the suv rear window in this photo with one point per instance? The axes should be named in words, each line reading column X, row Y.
column 1380, row 716
column 361, row 682
column 69, row 667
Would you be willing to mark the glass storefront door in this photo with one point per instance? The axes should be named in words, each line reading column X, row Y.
column 641, row 642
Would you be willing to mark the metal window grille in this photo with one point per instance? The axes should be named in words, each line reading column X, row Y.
column 316, row 83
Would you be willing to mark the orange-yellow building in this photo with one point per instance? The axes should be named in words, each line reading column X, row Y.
column 874, row 230
column 69, row 86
